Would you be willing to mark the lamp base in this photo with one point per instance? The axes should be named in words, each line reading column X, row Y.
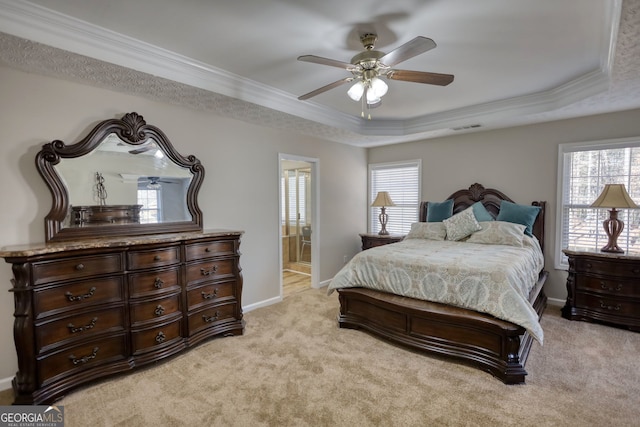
column 613, row 227
column 383, row 217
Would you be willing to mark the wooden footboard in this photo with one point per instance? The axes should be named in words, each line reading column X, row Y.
column 491, row 344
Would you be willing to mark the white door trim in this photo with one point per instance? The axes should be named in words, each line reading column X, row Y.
column 315, row 216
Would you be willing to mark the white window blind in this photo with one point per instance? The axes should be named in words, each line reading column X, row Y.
column 584, row 170
column 402, row 181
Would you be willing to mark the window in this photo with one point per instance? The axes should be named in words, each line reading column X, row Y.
column 584, row 169
column 402, row 181
column 150, row 201
column 295, row 189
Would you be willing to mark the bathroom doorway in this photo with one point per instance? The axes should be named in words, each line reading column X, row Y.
column 298, row 233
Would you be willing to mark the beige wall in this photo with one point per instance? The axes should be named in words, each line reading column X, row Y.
column 240, row 189
column 520, row 161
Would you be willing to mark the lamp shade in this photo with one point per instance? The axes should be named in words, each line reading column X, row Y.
column 382, row 199
column 614, row 196
column 356, row 91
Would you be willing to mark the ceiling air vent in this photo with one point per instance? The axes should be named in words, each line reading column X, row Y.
column 477, row 125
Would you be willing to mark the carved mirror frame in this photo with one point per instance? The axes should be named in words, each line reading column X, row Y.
column 131, row 129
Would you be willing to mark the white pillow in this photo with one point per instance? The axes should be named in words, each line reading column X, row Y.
column 427, row 230
column 461, row 224
column 499, row 233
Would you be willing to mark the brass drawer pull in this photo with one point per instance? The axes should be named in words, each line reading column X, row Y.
column 207, row 249
column 74, row 329
column 214, row 294
column 160, row 337
column 71, row 297
column 209, row 319
column 609, row 307
column 209, row 271
column 159, row 310
column 611, row 288
column 84, row 359
column 158, row 283
column 157, row 258
column 80, row 267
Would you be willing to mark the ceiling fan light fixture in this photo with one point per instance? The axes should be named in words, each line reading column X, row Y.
column 371, row 97
column 378, row 87
column 356, row 91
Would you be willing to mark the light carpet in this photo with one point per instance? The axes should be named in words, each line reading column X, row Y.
column 295, row 367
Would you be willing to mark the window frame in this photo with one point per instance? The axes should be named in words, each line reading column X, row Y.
column 560, row 262
column 373, row 225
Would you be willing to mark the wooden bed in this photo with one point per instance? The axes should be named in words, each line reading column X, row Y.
column 479, row 339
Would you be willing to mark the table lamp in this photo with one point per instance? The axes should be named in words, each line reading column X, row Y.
column 613, row 196
column 383, row 200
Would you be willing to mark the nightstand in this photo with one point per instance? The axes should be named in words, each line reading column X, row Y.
column 603, row 287
column 373, row 240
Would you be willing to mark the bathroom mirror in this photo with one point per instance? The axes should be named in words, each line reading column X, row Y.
column 124, row 179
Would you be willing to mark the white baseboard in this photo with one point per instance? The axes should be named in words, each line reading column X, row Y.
column 259, row 304
column 5, row 384
column 556, row 302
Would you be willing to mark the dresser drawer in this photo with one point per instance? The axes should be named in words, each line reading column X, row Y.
column 607, row 305
column 144, row 284
column 197, row 251
column 154, row 310
column 611, row 287
column 209, row 294
column 619, row 268
column 149, row 258
column 76, row 295
column 76, row 268
column 79, row 326
column 209, row 270
column 147, row 339
column 82, row 357
column 209, row 317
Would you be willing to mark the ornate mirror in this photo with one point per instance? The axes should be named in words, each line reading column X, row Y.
column 125, row 178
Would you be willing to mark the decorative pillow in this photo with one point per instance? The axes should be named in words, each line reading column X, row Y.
column 519, row 214
column 427, row 230
column 499, row 233
column 481, row 213
column 461, row 224
column 439, row 211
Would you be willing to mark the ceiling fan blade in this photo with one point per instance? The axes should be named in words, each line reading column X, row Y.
column 326, row 61
column 325, row 88
column 421, row 77
column 140, row 150
column 408, row 50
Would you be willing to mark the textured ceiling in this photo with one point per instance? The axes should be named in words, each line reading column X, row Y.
column 514, row 64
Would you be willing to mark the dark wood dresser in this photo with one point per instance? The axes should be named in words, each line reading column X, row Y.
column 107, row 214
column 92, row 308
column 603, row 287
column 373, row 240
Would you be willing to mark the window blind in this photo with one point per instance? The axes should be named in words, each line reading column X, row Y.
column 584, row 172
column 402, row 181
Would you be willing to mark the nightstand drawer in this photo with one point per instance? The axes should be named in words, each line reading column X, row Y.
column 610, row 287
column 612, row 306
column 619, row 268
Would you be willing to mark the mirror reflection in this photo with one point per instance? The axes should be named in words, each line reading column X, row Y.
column 121, row 183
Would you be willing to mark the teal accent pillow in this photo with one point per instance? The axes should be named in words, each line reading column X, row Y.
column 439, row 211
column 481, row 213
column 519, row 214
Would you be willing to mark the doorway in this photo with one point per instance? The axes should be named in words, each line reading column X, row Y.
column 298, row 219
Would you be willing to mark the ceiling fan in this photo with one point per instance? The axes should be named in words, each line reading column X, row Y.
column 369, row 66
column 153, row 182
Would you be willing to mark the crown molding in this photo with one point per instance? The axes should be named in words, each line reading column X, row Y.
column 33, row 22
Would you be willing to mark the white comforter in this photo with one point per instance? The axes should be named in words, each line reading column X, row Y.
column 493, row 279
